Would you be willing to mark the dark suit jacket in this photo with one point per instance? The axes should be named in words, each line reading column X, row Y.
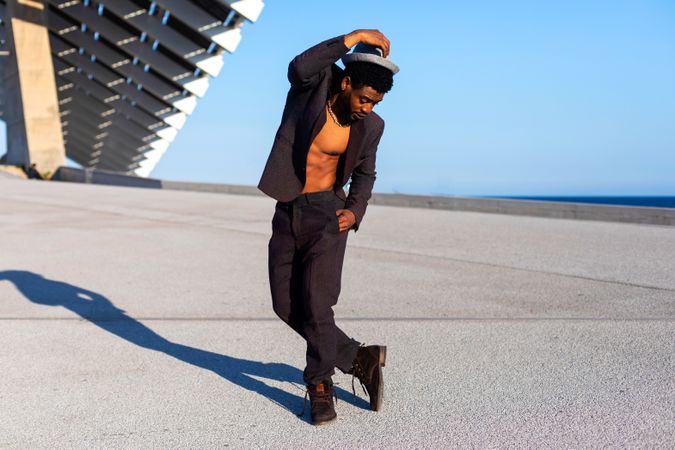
column 312, row 74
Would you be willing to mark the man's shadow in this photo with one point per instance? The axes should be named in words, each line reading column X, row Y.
column 101, row 312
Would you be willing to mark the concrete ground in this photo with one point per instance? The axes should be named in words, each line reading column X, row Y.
column 138, row 318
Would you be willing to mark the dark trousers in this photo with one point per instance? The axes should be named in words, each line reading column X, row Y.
column 305, row 268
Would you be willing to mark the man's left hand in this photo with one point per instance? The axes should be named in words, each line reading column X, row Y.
column 346, row 218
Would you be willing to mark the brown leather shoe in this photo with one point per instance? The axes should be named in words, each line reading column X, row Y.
column 367, row 367
column 321, row 407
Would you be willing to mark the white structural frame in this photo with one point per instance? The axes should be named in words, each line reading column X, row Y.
column 129, row 72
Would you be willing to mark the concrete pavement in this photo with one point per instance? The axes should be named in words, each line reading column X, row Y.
column 139, row 318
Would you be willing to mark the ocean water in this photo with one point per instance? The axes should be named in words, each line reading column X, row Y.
column 652, row 201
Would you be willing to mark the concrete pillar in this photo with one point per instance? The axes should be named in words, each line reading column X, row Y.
column 31, row 104
column 3, row 62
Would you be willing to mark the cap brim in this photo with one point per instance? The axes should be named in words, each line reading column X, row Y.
column 369, row 58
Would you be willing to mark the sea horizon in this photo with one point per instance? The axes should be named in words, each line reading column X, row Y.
column 653, row 201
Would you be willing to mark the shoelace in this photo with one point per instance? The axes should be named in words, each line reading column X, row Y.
column 317, row 398
column 358, row 372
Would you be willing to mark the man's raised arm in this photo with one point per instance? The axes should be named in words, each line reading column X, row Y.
column 304, row 69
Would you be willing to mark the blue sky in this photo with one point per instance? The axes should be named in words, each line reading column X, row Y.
column 493, row 98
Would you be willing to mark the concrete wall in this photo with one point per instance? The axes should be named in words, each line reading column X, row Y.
column 91, row 176
column 561, row 210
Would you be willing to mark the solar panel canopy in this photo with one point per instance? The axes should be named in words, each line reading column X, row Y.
column 129, row 73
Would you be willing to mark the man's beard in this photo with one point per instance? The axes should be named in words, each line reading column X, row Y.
column 355, row 117
column 343, row 111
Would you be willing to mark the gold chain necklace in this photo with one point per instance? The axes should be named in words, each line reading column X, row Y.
column 332, row 115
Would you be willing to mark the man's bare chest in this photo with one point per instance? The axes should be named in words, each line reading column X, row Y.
column 332, row 139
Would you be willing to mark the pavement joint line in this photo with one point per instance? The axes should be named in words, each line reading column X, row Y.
column 359, row 247
column 344, row 319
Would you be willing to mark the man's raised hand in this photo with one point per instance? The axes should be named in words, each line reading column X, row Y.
column 370, row 37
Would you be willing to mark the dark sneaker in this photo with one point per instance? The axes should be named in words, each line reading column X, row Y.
column 367, row 367
column 321, row 406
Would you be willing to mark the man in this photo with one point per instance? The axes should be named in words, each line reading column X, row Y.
column 33, row 173
column 328, row 134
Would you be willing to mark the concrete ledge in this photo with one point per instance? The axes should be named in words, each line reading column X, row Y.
column 559, row 210
column 237, row 189
column 12, row 171
column 90, row 176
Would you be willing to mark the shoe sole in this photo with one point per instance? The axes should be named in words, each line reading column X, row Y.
column 380, row 385
column 380, row 391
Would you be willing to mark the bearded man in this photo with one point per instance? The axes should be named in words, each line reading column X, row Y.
column 328, row 136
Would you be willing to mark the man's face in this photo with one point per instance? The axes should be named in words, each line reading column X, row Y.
column 359, row 102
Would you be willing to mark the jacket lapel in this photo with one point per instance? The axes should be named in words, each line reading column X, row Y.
column 354, row 147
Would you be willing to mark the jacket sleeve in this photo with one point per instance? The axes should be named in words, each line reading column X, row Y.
column 363, row 179
column 305, row 69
